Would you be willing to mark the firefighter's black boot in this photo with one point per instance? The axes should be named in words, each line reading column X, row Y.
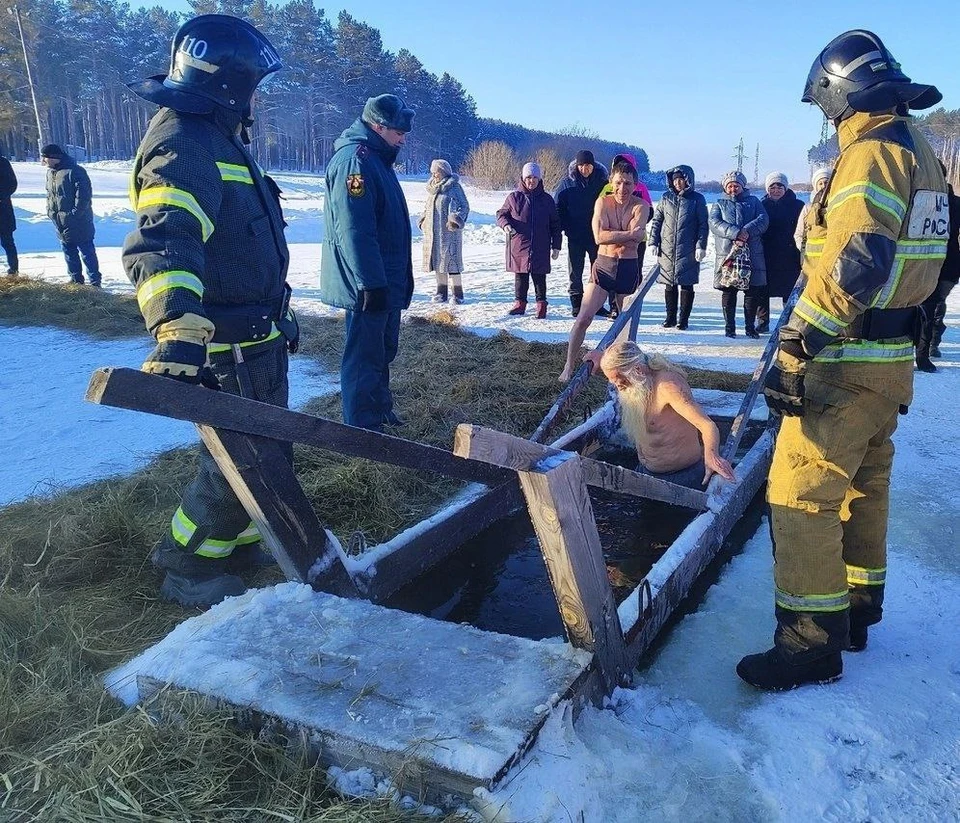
column 200, row 591
column 858, row 638
column 772, row 672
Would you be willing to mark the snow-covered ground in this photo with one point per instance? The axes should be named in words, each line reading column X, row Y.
column 689, row 741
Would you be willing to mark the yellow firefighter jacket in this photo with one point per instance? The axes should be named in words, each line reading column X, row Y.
column 875, row 244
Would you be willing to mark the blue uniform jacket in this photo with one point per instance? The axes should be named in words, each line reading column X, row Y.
column 367, row 236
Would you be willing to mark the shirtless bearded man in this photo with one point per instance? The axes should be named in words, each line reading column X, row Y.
column 675, row 439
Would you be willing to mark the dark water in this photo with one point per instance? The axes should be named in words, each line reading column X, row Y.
column 498, row 581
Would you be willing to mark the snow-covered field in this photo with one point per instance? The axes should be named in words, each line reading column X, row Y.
column 689, row 741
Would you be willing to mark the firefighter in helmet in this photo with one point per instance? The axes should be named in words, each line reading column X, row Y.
column 844, row 366
column 209, row 262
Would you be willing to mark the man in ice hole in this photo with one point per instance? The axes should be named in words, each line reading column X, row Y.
column 675, row 439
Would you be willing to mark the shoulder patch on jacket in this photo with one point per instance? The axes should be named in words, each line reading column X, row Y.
column 355, row 185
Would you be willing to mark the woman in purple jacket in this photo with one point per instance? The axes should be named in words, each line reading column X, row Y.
column 531, row 223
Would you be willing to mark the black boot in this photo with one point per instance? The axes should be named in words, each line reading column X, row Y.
column 200, row 591
column 670, row 299
column 686, row 306
column 576, row 300
column 772, row 672
column 923, row 349
column 858, row 638
column 728, row 299
column 763, row 313
column 458, row 294
column 750, row 306
column 441, row 295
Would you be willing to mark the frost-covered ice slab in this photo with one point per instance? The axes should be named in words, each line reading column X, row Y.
column 371, row 686
column 717, row 403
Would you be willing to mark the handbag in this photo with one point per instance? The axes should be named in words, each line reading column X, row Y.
column 736, row 268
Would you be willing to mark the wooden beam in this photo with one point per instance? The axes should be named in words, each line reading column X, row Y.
column 511, row 452
column 259, row 472
column 670, row 579
column 563, row 520
column 151, row 393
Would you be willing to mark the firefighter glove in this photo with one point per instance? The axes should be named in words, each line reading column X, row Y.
column 181, row 351
column 374, row 299
column 783, row 386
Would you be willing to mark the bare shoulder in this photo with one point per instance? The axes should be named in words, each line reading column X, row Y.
column 674, row 386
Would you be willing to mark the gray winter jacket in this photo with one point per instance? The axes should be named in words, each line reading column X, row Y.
column 728, row 216
column 445, row 213
column 678, row 228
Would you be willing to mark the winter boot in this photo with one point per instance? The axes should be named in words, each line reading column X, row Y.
column 923, row 352
column 773, row 673
column 458, row 295
column 576, row 300
column 728, row 300
column 686, row 306
column 200, row 591
column 541, row 309
column 249, row 558
column 670, row 298
column 935, row 351
column 763, row 314
column 750, row 306
column 441, row 295
column 858, row 638
column 519, row 307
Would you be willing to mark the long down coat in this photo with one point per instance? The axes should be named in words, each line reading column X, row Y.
column 728, row 216
column 444, row 216
column 679, row 227
column 536, row 229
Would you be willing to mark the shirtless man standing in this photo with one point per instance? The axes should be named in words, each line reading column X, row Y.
column 661, row 417
column 619, row 225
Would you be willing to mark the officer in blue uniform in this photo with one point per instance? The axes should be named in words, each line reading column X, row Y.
column 366, row 267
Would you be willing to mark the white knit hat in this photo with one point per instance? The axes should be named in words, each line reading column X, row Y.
column 776, row 177
column 441, row 167
column 821, row 174
column 532, row 170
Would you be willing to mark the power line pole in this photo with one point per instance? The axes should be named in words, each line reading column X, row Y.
column 756, row 166
column 15, row 11
column 738, row 155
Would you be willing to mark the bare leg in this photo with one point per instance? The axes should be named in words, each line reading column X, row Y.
column 593, row 297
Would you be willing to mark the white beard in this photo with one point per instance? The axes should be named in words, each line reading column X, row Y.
column 633, row 409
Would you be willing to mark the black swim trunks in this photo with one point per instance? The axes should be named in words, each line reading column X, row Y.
column 616, row 274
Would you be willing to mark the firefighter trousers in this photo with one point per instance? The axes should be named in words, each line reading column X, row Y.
column 211, row 522
column 829, row 498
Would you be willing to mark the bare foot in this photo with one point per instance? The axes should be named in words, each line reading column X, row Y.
column 564, row 375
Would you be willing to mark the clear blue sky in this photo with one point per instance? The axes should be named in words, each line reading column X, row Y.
column 684, row 79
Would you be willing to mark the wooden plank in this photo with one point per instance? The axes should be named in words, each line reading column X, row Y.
column 260, row 474
column 674, row 574
column 417, row 550
column 582, row 375
column 563, row 520
column 151, row 393
column 729, row 448
column 511, row 452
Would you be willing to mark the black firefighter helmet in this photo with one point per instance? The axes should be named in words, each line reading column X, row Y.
column 216, row 60
column 856, row 72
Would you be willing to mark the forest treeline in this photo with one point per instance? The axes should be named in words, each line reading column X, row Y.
column 83, row 52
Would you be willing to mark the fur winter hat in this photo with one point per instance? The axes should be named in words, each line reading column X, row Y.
column 820, row 174
column 776, row 177
column 532, row 170
column 389, row 111
column 733, row 177
column 441, row 167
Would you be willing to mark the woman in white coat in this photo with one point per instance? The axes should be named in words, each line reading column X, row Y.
column 444, row 216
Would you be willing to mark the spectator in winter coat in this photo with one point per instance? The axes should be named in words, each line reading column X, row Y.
column 444, row 215
column 619, row 224
column 367, row 266
column 530, row 221
column 779, row 249
column 576, row 196
column 678, row 235
column 819, row 184
column 70, row 207
column 8, row 220
column 641, row 191
column 934, row 308
column 738, row 221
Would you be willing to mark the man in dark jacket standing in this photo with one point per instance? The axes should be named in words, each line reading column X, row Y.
column 209, row 262
column 575, row 197
column 780, row 250
column 70, row 207
column 8, row 220
column 366, row 266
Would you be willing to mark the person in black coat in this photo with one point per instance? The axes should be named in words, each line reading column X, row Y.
column 779, row 247
column 8, row 220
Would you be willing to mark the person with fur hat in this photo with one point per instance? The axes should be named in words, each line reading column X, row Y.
column 738, row 221
column 209, row 262
column 575, row 197
column 445, row 213
column 818, row 183
column 366, row 266
column 70, row 207
column 779, row 251
column 531, row 224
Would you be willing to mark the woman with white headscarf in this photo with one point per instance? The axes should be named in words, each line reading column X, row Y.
column 444, row 216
